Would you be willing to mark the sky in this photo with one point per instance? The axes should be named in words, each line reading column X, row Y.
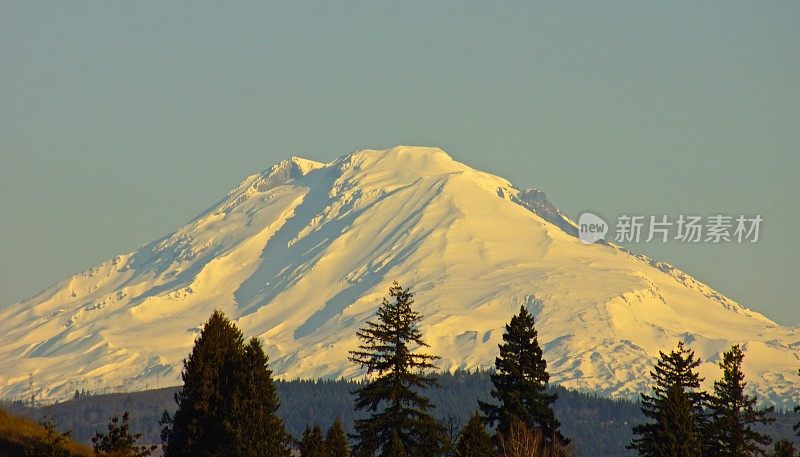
column 121, row 121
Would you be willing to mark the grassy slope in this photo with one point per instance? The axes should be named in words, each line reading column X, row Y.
column 16, row 432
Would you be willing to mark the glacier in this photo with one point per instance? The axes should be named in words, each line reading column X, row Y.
column 301, row 255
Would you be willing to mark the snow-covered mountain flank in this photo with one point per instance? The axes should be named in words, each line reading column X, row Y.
column 301, row 254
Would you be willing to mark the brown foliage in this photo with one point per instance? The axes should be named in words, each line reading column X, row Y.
column 521, row 441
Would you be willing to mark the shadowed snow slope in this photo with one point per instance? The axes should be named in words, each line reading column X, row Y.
column 301, row 254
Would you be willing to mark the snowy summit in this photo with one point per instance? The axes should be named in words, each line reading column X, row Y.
column 301, row 254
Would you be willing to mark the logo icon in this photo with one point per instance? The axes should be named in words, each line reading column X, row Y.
column 591, row 228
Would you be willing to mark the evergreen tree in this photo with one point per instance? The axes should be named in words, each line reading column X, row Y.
column 674, row 371
column 520, row 383
column 733, row 412
column 796, row 427
column 681, row 437
column 400, row 423
column 336, row 440
column 474, row 441
column 784, row 448
column 119, row 442
column 396, row 448
column 166, row 429
column 228, row 401
column 313, row 444
column 260, row 431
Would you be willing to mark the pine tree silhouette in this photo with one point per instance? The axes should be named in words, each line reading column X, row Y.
column 520, row 383
column 228, row 401
column 474, row 440
column 399, row 423
column 733, row 412
column 336, row 440
column 796, row 427
column 680, row 437
column 312, row 443
column 119, row 442
column 674, row 371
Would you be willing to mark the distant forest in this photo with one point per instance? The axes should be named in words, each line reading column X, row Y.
column 230, row 404
column 597, row 426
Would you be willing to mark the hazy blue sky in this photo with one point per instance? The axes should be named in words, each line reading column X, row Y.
column 119, row 122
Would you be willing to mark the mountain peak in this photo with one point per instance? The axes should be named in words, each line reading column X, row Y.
column 278, row 175
column 292, row 168
column 302, row 166
column 401, row 151
column 301, row 259
column 415, row 157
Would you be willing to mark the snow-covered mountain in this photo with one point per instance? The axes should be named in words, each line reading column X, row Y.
column 301, row 254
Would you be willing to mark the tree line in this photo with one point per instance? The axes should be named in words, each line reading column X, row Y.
column 228, row 404
column 685, row 421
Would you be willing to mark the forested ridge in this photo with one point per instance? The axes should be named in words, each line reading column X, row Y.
column 597, row 426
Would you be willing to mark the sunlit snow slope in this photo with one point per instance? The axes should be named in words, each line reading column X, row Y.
column 301, row 254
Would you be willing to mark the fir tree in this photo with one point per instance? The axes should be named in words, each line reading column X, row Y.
column 312, row 443
column 673, row 371
column 474, row 441
column 395, row 448
column 119, row 442
column 166, row 428
column 681, row 436
column 784, row 448
column 733, row 412
column 796, row 427
column 520, row 383
column 228, row 401
column 400, row 423
column 260, row 430
column 336, row 440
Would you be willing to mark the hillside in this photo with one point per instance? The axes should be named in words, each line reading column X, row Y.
column 18, row 434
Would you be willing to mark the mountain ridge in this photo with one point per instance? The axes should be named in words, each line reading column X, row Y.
column 301, row 253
